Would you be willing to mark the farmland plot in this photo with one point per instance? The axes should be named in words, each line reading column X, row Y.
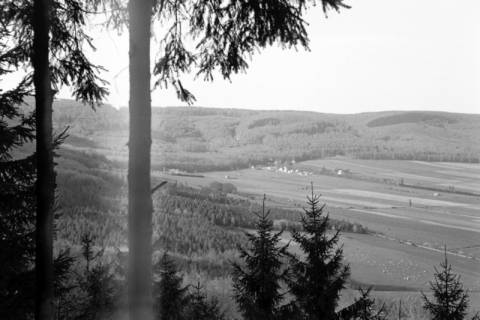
column 412, row 225
column 395, row 266
column 462, row 176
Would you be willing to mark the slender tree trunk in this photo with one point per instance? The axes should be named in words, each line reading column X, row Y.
column 45, row 187
column 139, row 194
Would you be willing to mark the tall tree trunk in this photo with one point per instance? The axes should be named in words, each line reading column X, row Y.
column 139, row 194
column 45, row 188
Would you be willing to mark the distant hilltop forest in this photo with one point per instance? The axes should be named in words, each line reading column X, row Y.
column 205, row 139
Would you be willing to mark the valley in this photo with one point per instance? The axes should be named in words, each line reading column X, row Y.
column 410, row 226
column 396, row 209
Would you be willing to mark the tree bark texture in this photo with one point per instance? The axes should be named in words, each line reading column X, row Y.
column 45, row 186
column 139, row 193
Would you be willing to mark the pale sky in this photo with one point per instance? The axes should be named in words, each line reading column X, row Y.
column 379, row 55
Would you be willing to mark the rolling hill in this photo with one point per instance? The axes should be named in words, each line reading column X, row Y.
column 205, row 139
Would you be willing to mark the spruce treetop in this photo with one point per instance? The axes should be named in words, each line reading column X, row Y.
column 450, row 299
column 257, row 283
column 169, row 293
column 202, row 308
column 320, row 274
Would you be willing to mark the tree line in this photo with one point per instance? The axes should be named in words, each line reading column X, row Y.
column 192, row 141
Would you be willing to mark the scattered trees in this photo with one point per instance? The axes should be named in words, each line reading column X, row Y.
column 314, row 281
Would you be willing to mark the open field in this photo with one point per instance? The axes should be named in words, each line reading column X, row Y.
column 393, row 266
column 412, row 225
column 462, row 176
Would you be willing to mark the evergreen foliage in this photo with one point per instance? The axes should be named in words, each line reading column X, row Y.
column 17, row 212
column 175, row 302
column 63, row 275
column 257, row 283
column 17, row 201
column 88, row 251
column 169, row 294
column 17, row 205
column 363, row 308
column 46, row 39
column 318, row 278
column 201, row 308
column 91, row 289
column 69, row 65
column 450, row 300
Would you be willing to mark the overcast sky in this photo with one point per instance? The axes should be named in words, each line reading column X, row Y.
column 379, row 55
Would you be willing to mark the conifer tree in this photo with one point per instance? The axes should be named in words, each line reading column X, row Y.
column 17, row 197
column 17, row 212
column 17, row 191
column 450, row 300
column 17, row 206
column 169, row 294
column 46, row 38
column 96, row 283
column 317, row 279
column 363, row 308
column 257, row 284
column 201, row 308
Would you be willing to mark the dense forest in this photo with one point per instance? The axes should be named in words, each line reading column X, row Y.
column 204, row 224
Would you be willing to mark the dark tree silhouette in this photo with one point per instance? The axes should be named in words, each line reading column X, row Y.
column 17, row 205
column 45, row 185
column 17, row 210
column 257, row 284
column 96, row 283
column 47, row 36
column 363, row 308
column 318, row 278
column 450, row 300
column 169, row 294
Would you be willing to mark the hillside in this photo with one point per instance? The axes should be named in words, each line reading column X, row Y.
column 203, row 139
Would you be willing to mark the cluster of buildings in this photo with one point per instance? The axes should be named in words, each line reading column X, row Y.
column 287, row 170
